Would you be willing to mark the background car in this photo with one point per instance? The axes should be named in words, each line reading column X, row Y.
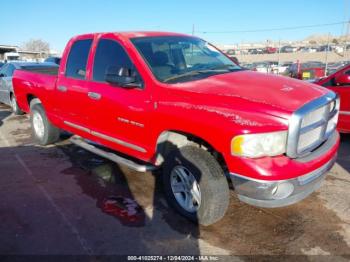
column 283, row 67
column 324, row 48
column 339, row 82
column 333, row 67
column 288, row 49
column 53, row 59
column 270, row 50
column 7, row 95
column 307, row 71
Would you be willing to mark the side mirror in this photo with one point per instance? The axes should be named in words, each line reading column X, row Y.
column 122, row 77
column 2, row 75
column 342, row 80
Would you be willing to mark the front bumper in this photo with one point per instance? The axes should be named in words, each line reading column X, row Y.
column 264, row 193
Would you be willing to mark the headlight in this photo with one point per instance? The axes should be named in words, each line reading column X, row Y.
column 259, row 145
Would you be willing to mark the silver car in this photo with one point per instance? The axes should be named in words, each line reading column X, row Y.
column 7, row 95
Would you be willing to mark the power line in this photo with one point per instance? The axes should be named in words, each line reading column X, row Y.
column 271, row 29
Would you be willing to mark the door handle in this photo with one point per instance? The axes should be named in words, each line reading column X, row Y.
column 62, row 88
column 95, row 96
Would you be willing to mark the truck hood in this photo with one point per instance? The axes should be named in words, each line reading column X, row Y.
column 252, row 91
column 246, row 98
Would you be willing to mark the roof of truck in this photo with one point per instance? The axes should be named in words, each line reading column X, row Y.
column 134, row 34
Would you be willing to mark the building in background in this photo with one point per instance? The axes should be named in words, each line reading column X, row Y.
column 12, row 52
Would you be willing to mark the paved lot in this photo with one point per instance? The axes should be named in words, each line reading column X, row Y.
column 52, row 202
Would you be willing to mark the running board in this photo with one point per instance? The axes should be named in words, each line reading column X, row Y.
column 79, row 141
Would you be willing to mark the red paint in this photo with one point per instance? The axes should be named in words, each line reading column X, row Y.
column 215, row 109
column 339, row 82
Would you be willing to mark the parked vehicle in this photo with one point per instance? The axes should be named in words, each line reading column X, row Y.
column 339, row 82
column 288, row 49
column 270, row 50
column 197, row 115
column 307, row 71
column 7, row 95
column 333, row 67
column 283, row 67
column 11, row 56
column 53, row 59
column 325, row 48
column 308, row 50
column 255, row 51
column 262, row 67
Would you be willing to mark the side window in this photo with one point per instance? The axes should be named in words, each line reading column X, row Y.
column 347, row 72
column 77, row 59
column 109, row 55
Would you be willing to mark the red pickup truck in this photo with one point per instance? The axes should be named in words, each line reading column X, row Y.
column 171, row 101
column 339, row 82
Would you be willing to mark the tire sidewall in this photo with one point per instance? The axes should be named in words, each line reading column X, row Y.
column 15, row 109
column 39, row 109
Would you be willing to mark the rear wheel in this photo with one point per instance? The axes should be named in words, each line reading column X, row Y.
column 43, row 131
column 15, row 109
column 195, row 185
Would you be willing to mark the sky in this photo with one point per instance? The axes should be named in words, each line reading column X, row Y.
column 57, row 21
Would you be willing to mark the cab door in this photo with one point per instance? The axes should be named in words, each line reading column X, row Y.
column 71, row 94
column 119, row 117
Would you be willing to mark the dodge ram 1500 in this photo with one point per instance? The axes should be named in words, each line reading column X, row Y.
column 171, row 101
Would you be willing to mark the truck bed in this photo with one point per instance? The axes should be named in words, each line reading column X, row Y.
column 34, row 82
column 41, row 70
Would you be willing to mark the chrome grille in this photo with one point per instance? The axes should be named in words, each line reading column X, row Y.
column 312, row 124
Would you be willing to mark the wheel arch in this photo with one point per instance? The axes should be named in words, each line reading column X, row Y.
column 172, row 139
column 32, row 100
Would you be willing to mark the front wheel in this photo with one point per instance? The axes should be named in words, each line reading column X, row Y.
column 43, row 131
column 195, row 185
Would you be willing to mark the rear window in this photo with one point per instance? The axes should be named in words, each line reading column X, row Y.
column 77, row 59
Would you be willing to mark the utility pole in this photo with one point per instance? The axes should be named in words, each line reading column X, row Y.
column 347, row 36
column 279, row 60
column 327, row 50
column 192, row 29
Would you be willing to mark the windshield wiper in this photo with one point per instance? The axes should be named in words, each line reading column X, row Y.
column 191, row 73
column 221, row 68
column 231, row 68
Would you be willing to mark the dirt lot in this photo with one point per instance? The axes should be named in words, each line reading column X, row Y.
column 52, row 202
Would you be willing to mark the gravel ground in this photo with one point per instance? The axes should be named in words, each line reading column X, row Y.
column 53, row 201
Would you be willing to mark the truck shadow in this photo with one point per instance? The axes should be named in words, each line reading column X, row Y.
column 134, row 199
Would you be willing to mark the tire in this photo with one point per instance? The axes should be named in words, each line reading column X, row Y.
column 43, row 131
column 14, row 106
column 210, row 182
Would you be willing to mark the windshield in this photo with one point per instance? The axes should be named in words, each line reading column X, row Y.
column 175, row 59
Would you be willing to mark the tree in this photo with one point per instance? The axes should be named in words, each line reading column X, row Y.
column 36, row 45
